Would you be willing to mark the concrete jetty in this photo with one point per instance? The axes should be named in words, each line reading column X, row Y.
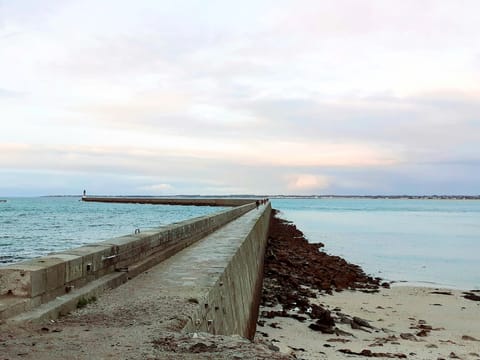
column 209, row 267
column 198, row 201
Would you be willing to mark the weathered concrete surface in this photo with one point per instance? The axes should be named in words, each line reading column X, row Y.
column 136, row 320
column 26, row 285
column 223, row 273
column 171, row 201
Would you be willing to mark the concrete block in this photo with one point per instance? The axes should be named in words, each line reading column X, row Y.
column 23, row 279
column 129, row 244
column 11, row 306
column 54, row 270
column 74, row 269
column 73, row 266
column 95, row 257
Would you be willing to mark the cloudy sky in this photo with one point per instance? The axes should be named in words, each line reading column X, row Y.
column 235, row 97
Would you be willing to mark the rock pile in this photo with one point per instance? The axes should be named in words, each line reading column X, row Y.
column 296, row 270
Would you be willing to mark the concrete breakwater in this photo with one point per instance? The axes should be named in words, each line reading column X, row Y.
column 170, row 201
column 229, row 297
column 228, row 273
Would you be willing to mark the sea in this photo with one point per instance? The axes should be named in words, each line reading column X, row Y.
column 32, row 227
column 420, row 242
column 407, row 241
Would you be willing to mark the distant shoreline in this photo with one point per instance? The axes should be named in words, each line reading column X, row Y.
column 249, row 196
column 373, row 197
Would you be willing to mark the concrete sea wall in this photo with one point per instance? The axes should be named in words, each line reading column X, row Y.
column 26, row 285
column 171, row 201
column 230, row 305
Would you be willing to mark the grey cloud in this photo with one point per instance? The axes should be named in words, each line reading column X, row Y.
column 424, row 128
column 409, row 121
column 116, row 172
column 186, row 172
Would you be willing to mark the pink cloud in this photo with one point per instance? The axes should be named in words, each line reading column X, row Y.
column 302, row 182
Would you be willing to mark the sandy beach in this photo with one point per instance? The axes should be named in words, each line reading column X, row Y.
column 318, row 306
column 406, row 322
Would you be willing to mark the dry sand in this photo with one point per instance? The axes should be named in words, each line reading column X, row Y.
column 397, row 315
column 133, row 321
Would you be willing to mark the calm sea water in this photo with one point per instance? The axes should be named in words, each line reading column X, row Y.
column 31, row 227
column 431, row 242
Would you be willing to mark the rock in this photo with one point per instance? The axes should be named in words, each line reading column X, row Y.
column 369, row 353
column 425, row 327
column 441, row 292
column 298, row 317
column 202, row 347
column 423, row 333
column 322, row 315
column 297, row 349
column 408, row 336
column 362, row 322
column 340, row 332
column 344, row 319
column 469, row 338
column 471, row 296
column 325, row 329
column 356, row 326
column 369, row 291
column 338, row 340
column 273, row 347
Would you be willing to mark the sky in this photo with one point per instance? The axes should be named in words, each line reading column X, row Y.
column 239, row 97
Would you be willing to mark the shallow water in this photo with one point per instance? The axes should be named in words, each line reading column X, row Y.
column 429, row 242
column 31, row 227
